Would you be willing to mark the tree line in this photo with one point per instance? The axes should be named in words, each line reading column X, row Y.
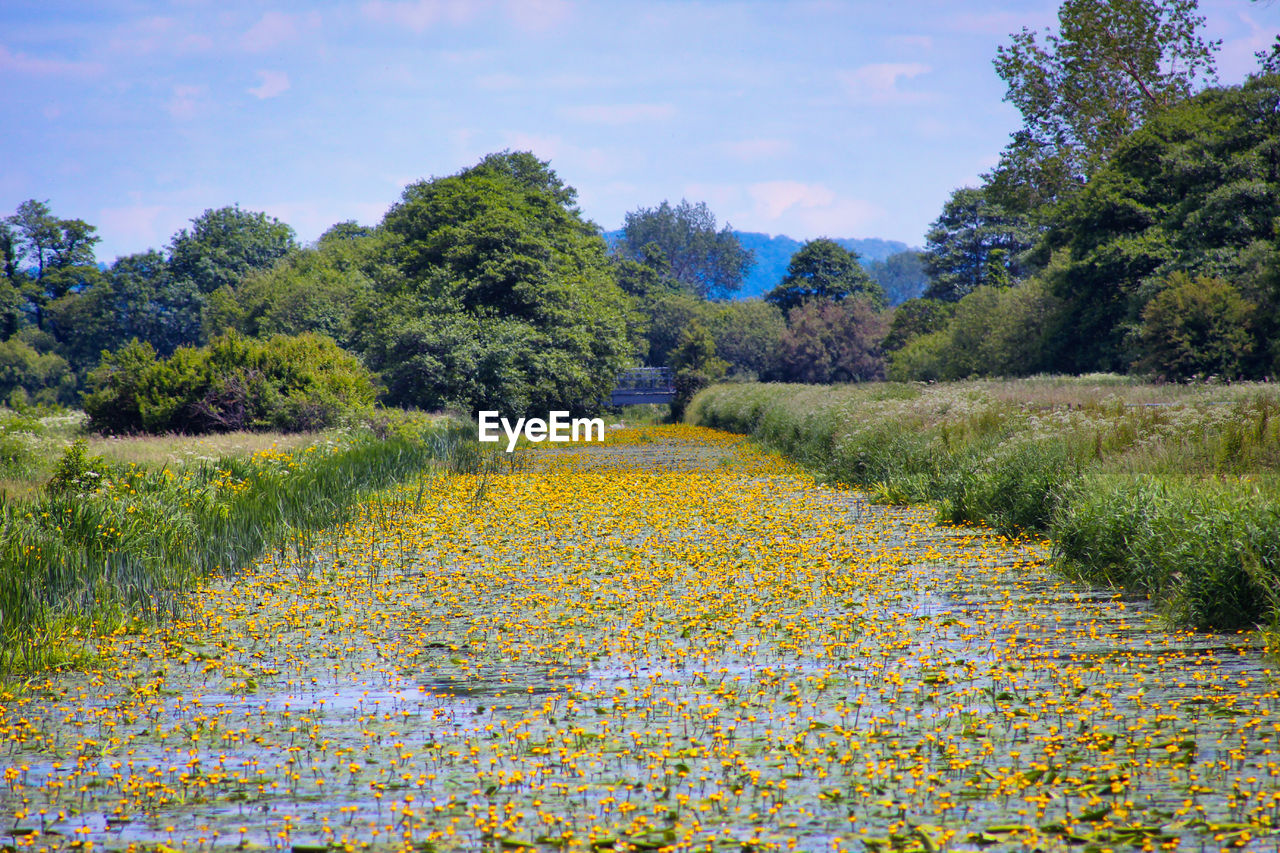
column 1132, row 223
column 1130, row 226
column 483, row 289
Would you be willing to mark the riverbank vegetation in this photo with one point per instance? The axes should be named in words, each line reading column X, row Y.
column 672, row 642
column 1168, row 491
column 104, row 541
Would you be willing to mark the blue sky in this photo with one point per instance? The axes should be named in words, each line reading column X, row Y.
column 844, row 119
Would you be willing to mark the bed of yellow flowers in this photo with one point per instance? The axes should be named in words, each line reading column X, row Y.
column 672, row 642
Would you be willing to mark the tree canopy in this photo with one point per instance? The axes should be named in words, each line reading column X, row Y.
column 962, row 241
column 502, row 296
column 823, row 269
column 1195, row 190
column 1110, row 66
column 223, row 245
column 709, row 263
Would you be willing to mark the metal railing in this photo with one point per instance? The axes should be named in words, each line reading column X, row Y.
column 644, row 385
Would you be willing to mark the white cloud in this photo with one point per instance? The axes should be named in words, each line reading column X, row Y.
column 420, row 15
column 272, row 29
column 910, row 42
column 752, row 150
column 565, row 157
column 139, row 224
column 21, row 63
column 500, row 81
column 539, row 15
column 619, row 113
column 795, row 207
column 878, row 83
column 720, row 197
column 185, row 101
column 272, row 83
column 773, row 198
column 1238, row 56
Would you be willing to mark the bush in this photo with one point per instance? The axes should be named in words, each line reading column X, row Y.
column 1208, row 553
column 1196, row 328
column 828, row 341
column 288, row 383
column 41, row 377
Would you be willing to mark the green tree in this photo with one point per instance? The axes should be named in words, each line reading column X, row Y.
column 292, row 383
column 962, row 240
column 11, row 281
column 823, row 269
column 828, row 341
column 136, row 297
column 502, row 295
column 709, row 263
column 58, row 251
column 1196, row 328
column 43, row 377
column 1195, row 190
column 317, row 290
column 695, row 364
column 747, row 334
column 667, row 315
column 902, row 276
column 914, row 318
column 1269, row 60
column 224, row 245
column 1110, row 65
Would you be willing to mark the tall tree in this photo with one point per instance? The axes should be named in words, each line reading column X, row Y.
column 502, row 297
column 225, row 244
column 710, row 263
column 1080, row 90
column 901, row 275
column 59, row 252
column 972, row 238
column 823, row 269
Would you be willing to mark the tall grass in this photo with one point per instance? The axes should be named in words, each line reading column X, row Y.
column 109, row 541
column 1171, row 492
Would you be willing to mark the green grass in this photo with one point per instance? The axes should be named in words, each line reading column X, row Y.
column 1171, row 491
column 110, row 542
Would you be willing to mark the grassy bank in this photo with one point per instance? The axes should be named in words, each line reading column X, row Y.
column 107, row 541
column 1173, row 492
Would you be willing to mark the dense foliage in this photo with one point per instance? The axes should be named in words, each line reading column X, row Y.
column 704, row 260
column 1165, row 262
column 235, row 383
column 502, row 295
column 116, row 542
column 824, row 270
column 1179, row 501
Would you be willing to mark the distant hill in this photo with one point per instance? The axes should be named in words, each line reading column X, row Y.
column 772, row 255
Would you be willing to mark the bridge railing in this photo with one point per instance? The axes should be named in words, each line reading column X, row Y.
column 644, row 385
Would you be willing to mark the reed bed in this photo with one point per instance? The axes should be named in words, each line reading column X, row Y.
column 1172, row 492
column 107, row 542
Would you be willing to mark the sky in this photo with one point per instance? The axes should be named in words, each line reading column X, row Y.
column 797, row 117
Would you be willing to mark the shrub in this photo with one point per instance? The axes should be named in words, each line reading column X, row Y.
column 26, row 373
column 828, row 341
column 289, row 383
column 1195, row 328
